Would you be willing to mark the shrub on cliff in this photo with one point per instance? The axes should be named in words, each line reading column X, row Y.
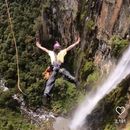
column 118, row 45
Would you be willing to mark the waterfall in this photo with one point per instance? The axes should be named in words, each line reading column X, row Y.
column 121, row 70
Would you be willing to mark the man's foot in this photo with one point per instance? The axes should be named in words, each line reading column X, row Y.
column 46, row 99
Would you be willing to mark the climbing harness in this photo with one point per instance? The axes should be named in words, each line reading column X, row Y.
column 47, row 73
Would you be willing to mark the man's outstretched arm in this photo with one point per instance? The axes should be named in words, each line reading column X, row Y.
column 39, row 46
column 73, row 45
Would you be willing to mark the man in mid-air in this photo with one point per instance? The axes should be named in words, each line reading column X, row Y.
column 57, row 59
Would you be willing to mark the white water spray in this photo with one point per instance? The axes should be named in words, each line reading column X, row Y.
column 117, row 75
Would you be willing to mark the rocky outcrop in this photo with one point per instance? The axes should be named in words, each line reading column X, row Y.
column 113, row 19
column 59, row 19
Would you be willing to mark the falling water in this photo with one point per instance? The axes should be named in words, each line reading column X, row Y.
column 116, row 76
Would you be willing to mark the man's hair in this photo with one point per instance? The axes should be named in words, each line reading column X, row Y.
column 56, row 45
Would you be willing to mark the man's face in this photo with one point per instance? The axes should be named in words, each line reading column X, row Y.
column 57, row 50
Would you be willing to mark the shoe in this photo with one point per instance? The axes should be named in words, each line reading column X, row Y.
column 46, row 99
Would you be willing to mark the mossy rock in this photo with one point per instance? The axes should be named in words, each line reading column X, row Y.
column 92, row 78
column 118, row 45
column 87, row 69
column 89, row 25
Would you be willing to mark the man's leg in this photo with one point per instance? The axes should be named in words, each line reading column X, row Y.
column 50, row 83
column 67, row 75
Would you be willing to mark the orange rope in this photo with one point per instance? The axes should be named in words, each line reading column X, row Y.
column 16, row 49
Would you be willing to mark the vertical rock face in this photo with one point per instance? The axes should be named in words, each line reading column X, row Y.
column 110, row 16
column 60, row 18
column 113, row 19
column 96, row 21
column 63, row 20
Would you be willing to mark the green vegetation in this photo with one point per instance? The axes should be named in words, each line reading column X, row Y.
column 110, row 127
column 118, row 45
column 30, row 58
column 89, row 25
column 83, row 11
column 65, row 96
column 87, row 69
column 31, row 61
column 89, row 73
column 7, row 101
column 92, row 78
column 12, row 120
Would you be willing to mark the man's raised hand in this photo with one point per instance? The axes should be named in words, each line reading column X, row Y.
column 78, row 40
column 38, row 44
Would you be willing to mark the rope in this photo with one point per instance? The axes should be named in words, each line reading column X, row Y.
column 16, row 49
